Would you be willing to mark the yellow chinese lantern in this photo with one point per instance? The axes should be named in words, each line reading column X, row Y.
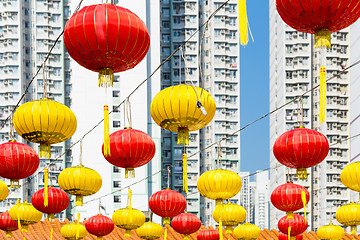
column 150, row 231
column 350, row 176
column 349, row 215
column 247, row 231
column 230, row 215
column 128, row 218
column 219, row 184
column 24, row 214
column 46, row 122
column 73, row 231
column 4, row 190
column 330, row 232
column 80, row 181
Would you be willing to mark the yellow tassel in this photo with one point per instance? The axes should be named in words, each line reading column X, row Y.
column 228, row 230
column 78, row 227
column 323, row 38
column 79, row 200
column 243, row 23
column 127, row 233
column 45, row 150
column 183, row 136
column 19, row 223
column 130, row 194
column 289, row 230
column 46, row 177
column 303, row 198
column 289, row 215
column 301, row 173
column 14, row 183
column 186, row 237
column 106, row 132
column 322, row 94
column 106, row 77
column 9, row 234
column 51, row 234
column 185, row 183
column 129, row 172
column 165, row 234
column 166, row 220
column 220, row 230
column 353, row 230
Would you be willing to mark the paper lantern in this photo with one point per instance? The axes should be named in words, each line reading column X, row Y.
column 286, row 237
column 7, row 224
column 17, row 161
column 219, row 184
column 73, row 231
column 150, row 231
column 230, row 215
column 247, row 231
column 208, row 234
column 130, row 148
column 292, row 226
column 186, row 223
column 99, row 225
column 301, row 148
column 349, row 215
column 350, row 177
column 58, row 201
column 167, row 204
column 290, row 197
column 80, row 181
column 46, row 122
column 330, row 232
column 319, row 17
column 4, row 190
column 25, row 214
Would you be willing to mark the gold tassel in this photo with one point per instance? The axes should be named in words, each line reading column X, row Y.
column 51, row 234
column 127, row 233
column 9, row 234
column 130, row 194
column 289, row 230
column 220, row 230
column 301, row 173
column 166, row 220
column 185, row 180
column 165, row 234
column 243, row 23
column 106, row 77
column 14, row 183
column 183, row 136
column 19, row 223
column 228, row 230
column 99, row 238
column 79, row 200
column 323, row 38
column 46, row 177
column 322, row 94
column 129, row 172
column 353, row 230
column 45, row 150
column 186, row 237
column 289, row 215
column 78, row 226
column 106, row 132
column 303, row 198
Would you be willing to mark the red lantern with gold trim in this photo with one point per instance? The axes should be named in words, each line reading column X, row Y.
column 58, row 201
column 208, row 234
column 319, row 17
column 286, row 237
column 186, row 223
column 301, row 148
column 130, row 148
column 17, row 161
column 290, row 197
column 167, row 204
column 99, row 225
column 292, row 226
column 7, row 224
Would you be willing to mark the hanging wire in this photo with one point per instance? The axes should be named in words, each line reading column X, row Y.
column 168, row 180
column 128, row 112
column 219, row 155
column 200, row 59
column 180, row 69
column 11, row 127
column 80, row 155
column 44, row 80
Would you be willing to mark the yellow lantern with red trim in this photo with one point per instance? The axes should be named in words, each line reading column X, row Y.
column 24, row 214
column 150, row 231
column 247, row 231
column 230, row 215
column 349, row 215
column 330, row 232
column 80, row 181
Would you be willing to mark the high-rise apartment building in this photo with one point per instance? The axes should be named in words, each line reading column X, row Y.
column 28, row 29
column 294, row 69
column 219, row 60
column 261, row 199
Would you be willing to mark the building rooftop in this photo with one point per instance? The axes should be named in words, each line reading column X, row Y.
column 41, row 231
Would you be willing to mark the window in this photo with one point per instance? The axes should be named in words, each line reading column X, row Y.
column 166, row 24
column 116, row 124
column 116, row 93
column 117, row 199
column 117, row 184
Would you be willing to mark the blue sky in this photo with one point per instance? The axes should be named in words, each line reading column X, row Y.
column 254, row 90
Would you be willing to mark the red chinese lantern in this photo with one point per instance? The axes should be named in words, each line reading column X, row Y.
column 186, row 223
column 99, row 225
column 130, row 148
column 290, row 197
column 301, row 148
column 292, row 226
column 17, row 161
column 286, row 237
column 319, row 17
column 208, row 234
column 167, row 204
column 7, row 224
column 58, row 201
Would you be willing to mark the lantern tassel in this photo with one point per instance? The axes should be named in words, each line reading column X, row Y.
column 99, row 238
column 322, row 94
column 14, row 183
column 301, row 173
column 228, row 230
column 165, row 234
column 353, row 230
column 186, row 237
column 243, row 23
column 183, row 136
column 127, row 233
column 79, row 200
column 78, row 223
column 129, row 172
column 221, row 230
column 166, row 220
column 289, row 215
column 106, row 132
column 289, row 231
column 8, row 234
column 106, row 77
column 303, row 198
column 323, row 38
column 46, row 178
column 185, row 180
column 130, row 194
column 45, row 150
column 19, row 223
column 51, row 234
